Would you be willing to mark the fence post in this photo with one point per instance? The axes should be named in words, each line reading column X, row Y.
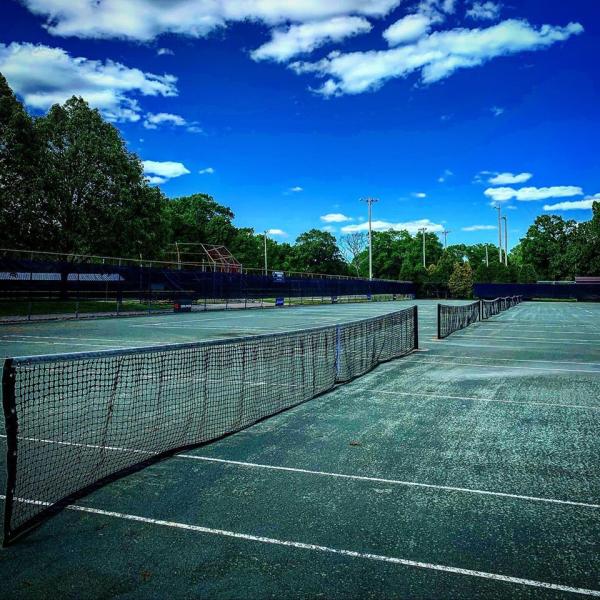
column 338, row 351
column 480, row 310
column 439, row 321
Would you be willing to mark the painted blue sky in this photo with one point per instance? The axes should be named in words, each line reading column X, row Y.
column 290, row 112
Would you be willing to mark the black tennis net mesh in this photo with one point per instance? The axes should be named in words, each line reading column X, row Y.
column 452, row 318
column 77, row 421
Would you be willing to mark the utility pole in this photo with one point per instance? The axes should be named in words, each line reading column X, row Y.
column 505, row 242
column 497, row 207
column 487, row 258
column 370, row 202
column 265, row 240
column 423, row 230
column 445, row 234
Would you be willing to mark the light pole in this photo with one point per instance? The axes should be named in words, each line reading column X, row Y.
column 423, row 230
column 487, row 257
column 497, row 207
column 445, row 234
column 265, row 243
column 370, row 202
column 505, row 242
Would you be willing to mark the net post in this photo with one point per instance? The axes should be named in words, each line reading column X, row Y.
column 10, row 419
column 416, row 326
column 439, row 321
column 338, row 350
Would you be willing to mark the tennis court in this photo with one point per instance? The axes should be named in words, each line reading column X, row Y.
column 467, row 469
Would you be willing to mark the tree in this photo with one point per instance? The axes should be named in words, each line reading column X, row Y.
column 546, row 245
column 354, row 246
column 461, row 281
column 584, row 251
column 316, row 251
column 527, row 274
column 96, row 198
column 23, row 218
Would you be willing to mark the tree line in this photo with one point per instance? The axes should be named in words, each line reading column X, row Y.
column 69, row 184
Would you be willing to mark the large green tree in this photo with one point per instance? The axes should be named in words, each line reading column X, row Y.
column 96, row 198
column 546, row 247
column 316, row 251
column 24, row 218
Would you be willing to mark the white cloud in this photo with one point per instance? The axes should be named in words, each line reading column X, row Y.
column 166, row 169
column 419, row 195
column 508, row 178
column 277, row 232
column 329, row 228
column 574, row 205
column 146, row 19
column 152, row 121
column 479, row 228
column 296, row 189
column 484, row 11
column 447, row 173
column 206, row 171
column 435, row 56
column 44, row 76
column 305, row 37
column 410, row 226
column 529, row 194
column 165, row 52
column 497, row 111
column 408, row 29
column 155, row 180
column 335, row 218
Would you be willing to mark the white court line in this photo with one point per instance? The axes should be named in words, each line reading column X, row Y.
column 447, row 342
column 326, row 549
column 399, row 482
column 479, row 399
column 483, row 324
column 55, row 343
column 475, row 334
column 456, row 364
column 533, row 360
column 26, row 338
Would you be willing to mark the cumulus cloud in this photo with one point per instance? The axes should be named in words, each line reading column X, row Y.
column 335, row 218
column 296, row 189
column 435, row 56
column 152, row 121
column 447, row 173
column 44, row 76
column 419, row 195
column 159, row 172
column 410, row 226
column 305, row 37
column 194, row 18
column 206, row 171
column 509, row 178
column 165, row 52
column 408, row 29
column 529, row 194
column 479, row 228
column 484, row 11
column 277, row 232
column 586, row 204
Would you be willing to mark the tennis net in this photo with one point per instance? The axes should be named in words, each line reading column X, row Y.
column 456, row 317
column 77, row 421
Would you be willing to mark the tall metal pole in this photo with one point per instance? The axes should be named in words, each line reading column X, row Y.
column 505, row 241
column 423, row 230
column 499, row 233
column 487, row 258
column 445, row 234
column 265, row 240
column 370, row 202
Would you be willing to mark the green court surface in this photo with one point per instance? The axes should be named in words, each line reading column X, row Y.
column 468, row 469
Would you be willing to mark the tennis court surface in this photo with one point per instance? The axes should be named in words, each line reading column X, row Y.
column 468, row 469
